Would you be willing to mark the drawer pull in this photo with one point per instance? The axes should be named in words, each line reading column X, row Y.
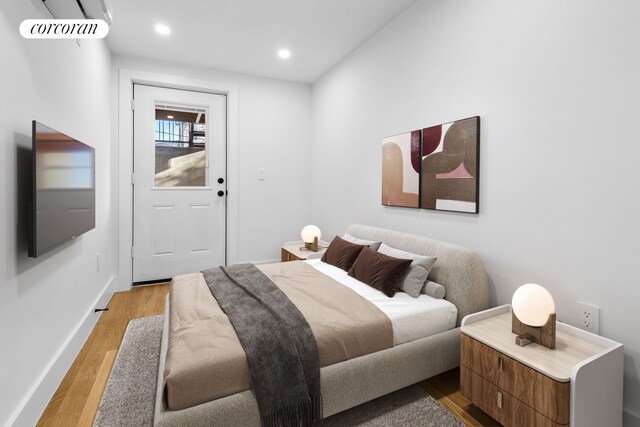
column 500, row 364
column 499, row 400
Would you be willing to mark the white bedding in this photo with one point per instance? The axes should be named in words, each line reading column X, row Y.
column 411, row 318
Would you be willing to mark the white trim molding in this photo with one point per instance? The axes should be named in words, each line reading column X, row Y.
column 36, row 400
column 126, row 79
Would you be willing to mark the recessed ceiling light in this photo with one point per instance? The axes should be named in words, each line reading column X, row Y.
column 284, row 53
column 169, row 116
column 163, row 29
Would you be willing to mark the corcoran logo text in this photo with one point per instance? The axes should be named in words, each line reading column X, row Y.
column 64, row 29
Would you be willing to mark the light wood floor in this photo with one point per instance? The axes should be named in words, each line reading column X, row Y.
column 76, row 401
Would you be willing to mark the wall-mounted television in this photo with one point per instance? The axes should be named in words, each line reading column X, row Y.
column 64, row 193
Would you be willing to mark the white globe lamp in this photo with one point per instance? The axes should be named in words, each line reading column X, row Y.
column 310, row 236
column 534, row 316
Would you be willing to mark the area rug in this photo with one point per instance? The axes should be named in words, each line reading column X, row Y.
column 129, row 396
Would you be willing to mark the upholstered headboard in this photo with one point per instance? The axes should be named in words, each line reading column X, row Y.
column 458, row 269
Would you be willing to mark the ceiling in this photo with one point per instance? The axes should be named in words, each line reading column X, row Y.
column 245, row 35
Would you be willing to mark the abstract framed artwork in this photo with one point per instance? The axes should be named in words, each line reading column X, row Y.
column 433, row 168
column 401, row 170
column 449, row 170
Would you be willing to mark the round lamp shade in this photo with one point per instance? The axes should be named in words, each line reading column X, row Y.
column 309, row 232
column 533, row 304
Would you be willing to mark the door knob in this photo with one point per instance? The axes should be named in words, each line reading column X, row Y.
column 220, row 193
column 220, row 180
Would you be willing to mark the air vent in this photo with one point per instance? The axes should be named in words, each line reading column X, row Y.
column 78, row 9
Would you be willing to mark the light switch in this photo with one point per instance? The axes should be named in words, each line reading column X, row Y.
column 261, row 174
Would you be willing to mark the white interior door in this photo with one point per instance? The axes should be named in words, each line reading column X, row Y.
column 179, row 181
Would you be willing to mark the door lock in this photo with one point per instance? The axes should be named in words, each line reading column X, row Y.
column 220, row 193
column 220, row 180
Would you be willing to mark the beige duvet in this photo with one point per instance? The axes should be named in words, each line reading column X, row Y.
column 205, row 360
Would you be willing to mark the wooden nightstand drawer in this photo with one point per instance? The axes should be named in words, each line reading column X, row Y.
column 486, row 395
column 520, row 381
column 499, row 404
column 286, row 256
column 578, row 383
column 296, row 251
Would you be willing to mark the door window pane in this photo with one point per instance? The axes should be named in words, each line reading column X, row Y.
column 181, row 148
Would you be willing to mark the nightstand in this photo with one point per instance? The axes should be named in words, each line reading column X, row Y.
column 291, row 251
column 579, row 383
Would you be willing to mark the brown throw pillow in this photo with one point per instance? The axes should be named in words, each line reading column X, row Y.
column 379, row 271
column 341, row 253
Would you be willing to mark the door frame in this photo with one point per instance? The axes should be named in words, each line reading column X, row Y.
column 124, row 153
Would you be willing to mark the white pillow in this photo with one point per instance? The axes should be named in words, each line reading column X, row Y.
column 373, row 245
column 433, row 289
column 416, row 275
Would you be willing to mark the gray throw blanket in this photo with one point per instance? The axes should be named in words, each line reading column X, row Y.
column 282, row 352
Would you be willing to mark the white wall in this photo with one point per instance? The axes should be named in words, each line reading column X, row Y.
column 45, row 301
column 274, row 133
column 556, row 85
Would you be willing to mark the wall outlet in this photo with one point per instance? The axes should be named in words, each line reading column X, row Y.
column 261, row 174
column 589, row 317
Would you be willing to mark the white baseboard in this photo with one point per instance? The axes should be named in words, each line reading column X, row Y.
column 36, row 400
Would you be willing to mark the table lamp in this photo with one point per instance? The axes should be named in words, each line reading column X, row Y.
column 310, row 236
column 533, row 316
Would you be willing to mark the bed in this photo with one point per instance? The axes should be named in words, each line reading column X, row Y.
column 346, row 384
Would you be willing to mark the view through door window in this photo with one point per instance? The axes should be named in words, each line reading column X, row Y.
column 181, row 147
